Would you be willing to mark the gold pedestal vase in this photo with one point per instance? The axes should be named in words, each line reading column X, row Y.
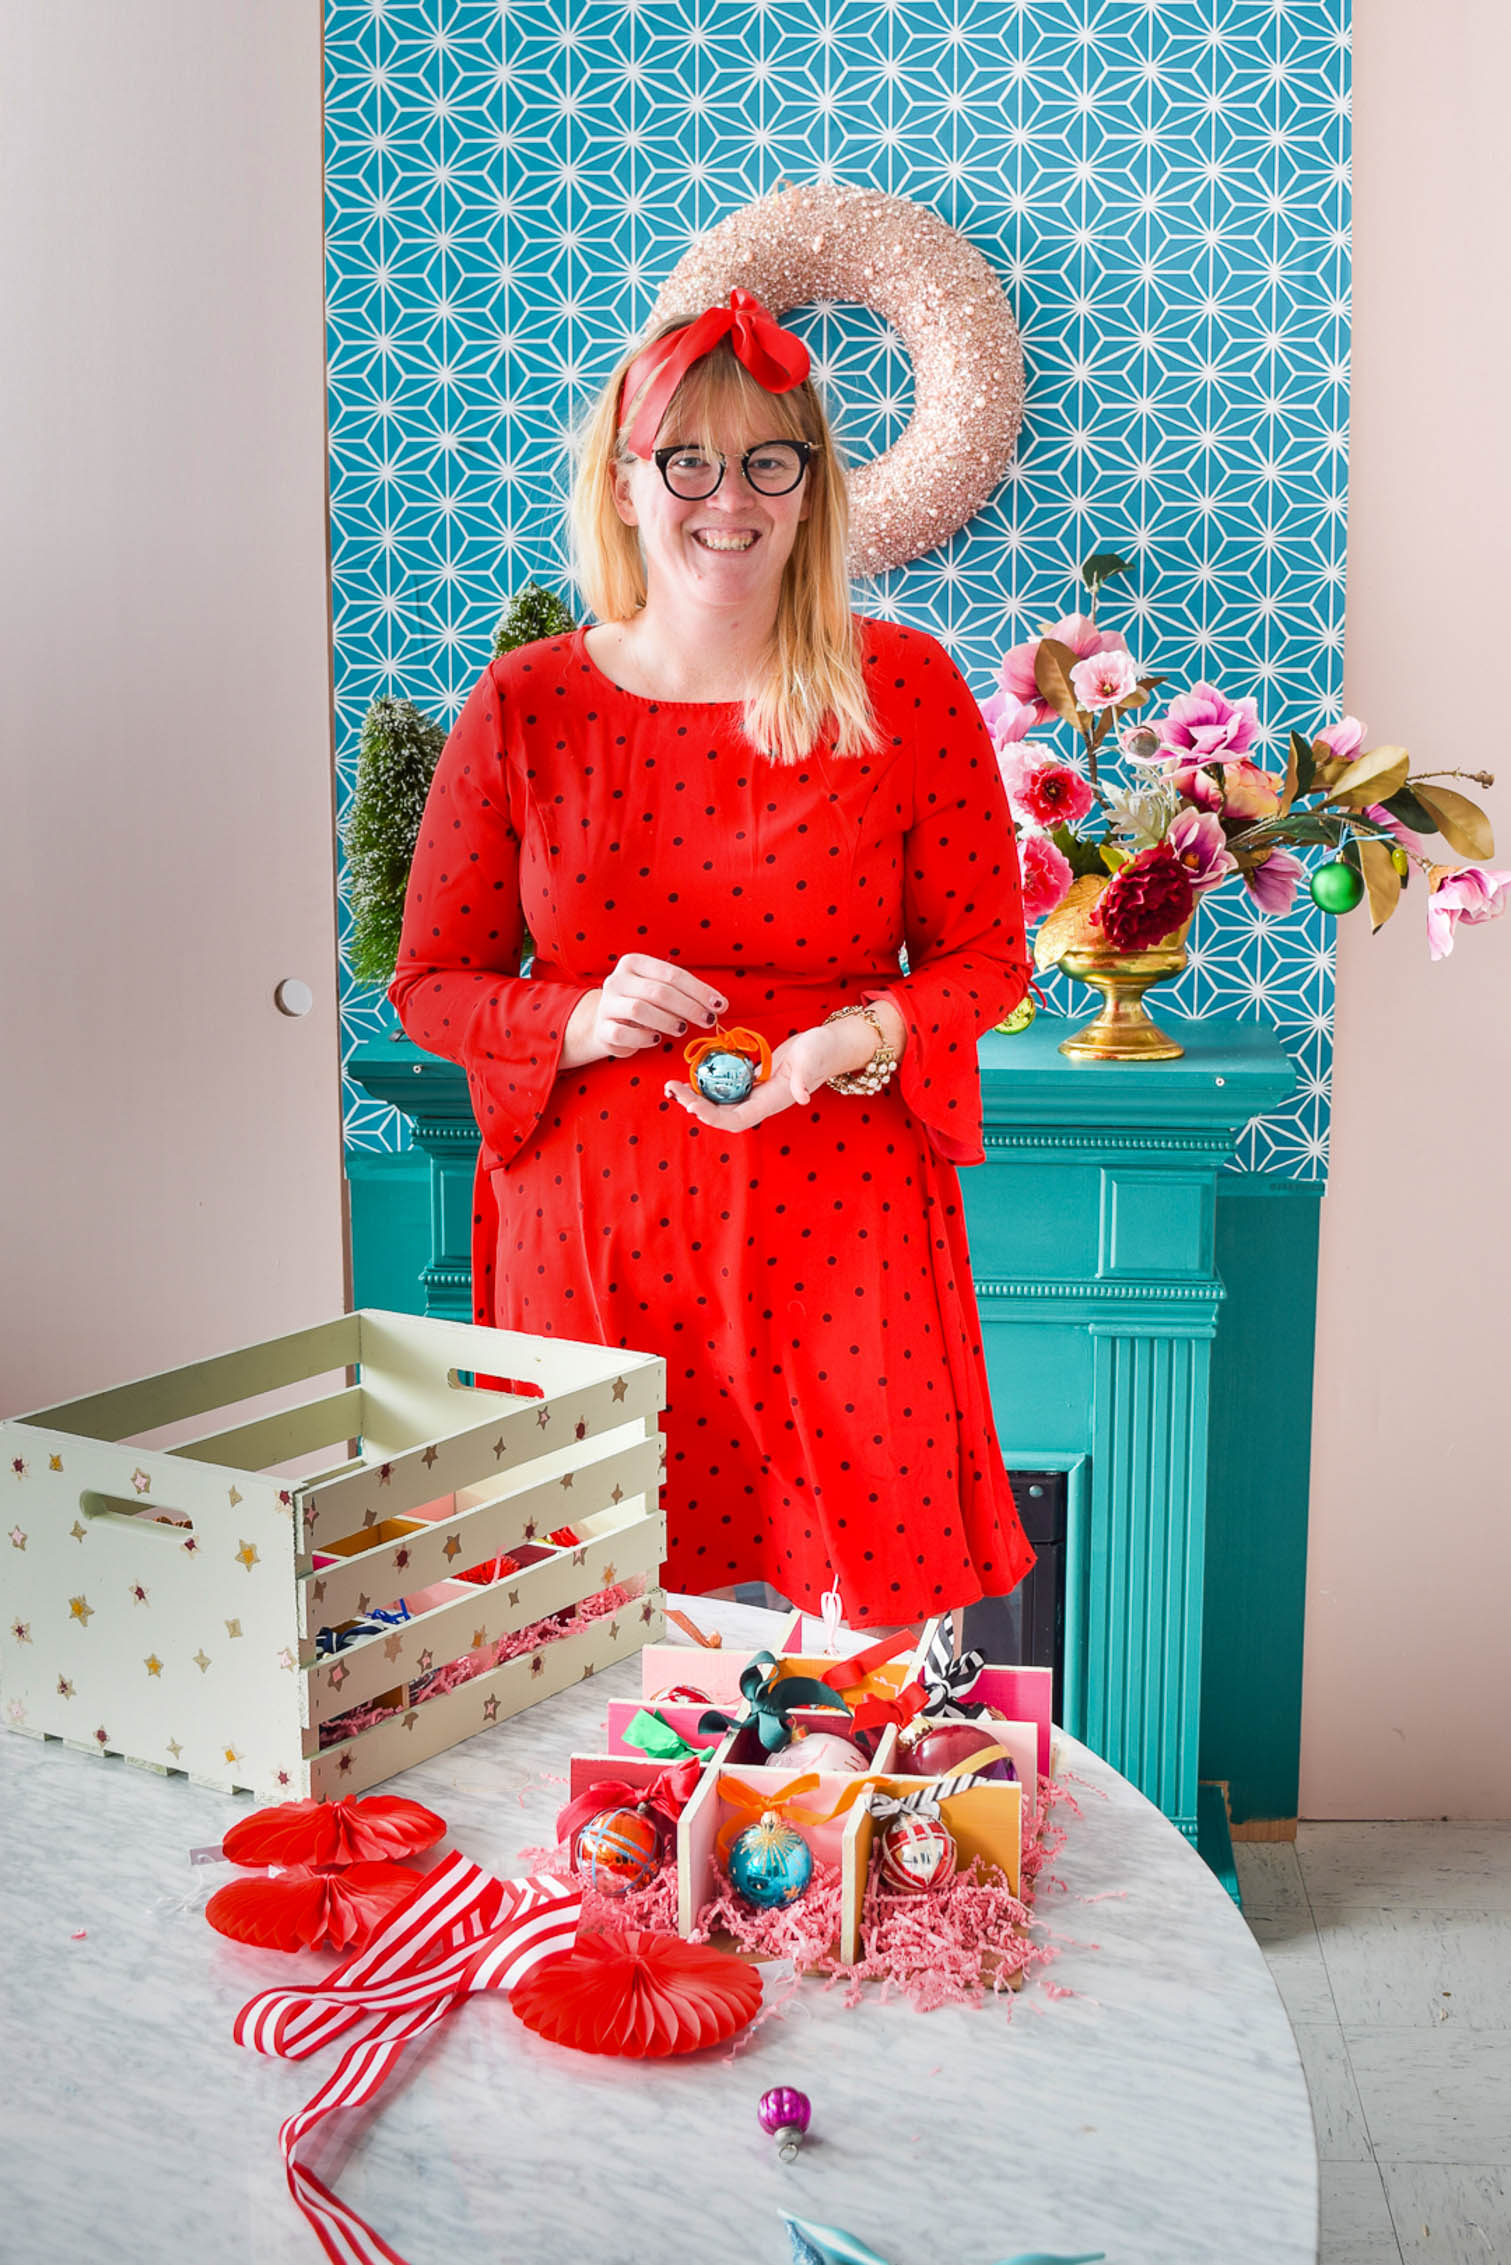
column 1124, row 1031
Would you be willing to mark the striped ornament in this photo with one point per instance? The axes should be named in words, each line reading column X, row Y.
column 916, row 1855
column 618, row 1850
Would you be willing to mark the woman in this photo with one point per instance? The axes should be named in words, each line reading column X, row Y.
column 727, row 804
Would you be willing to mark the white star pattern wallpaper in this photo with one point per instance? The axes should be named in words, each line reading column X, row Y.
column 1162, row 187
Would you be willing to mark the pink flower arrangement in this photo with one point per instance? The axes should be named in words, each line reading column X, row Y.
column 1204, row 809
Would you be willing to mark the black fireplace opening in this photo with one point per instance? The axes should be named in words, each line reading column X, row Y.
column 1027, row 1629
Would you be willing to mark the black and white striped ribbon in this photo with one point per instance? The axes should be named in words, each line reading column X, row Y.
column 945, row 1679
column 925, row 1802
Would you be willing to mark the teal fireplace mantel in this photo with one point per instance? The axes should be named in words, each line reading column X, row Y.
column 1095, row 1232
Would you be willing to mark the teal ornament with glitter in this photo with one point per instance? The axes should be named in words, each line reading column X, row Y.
column 725, row 1078
column 770, row 1865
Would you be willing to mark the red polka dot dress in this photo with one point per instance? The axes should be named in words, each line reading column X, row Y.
column 807, row 1282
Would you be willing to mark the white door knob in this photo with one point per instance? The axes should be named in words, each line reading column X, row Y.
column 293, row 997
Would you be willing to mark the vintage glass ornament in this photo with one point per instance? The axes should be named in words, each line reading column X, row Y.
column 618, row 1850
column 943, row 1747
column 685, row 1695
column 770, row 1865
column 1337, row 887
column 915, row 1854
column 725, row 1078
column 785, row 2113
column 820, row 1750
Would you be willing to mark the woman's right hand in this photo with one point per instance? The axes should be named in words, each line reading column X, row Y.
column 641, row 1002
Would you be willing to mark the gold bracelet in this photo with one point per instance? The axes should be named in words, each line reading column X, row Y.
column 872, row 1075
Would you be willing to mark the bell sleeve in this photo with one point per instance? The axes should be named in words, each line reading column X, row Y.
column 968, row 961
column 457, row 989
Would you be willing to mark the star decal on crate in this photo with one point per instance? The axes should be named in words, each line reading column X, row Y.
column 78, row 1531
column 286, row 1658
column 233, row 1496
column 15, row 1711
column 490, row 1709
column 102, row 1737
column 620, row 1388
column 452, row 1547
column 479, row 1638
column 174, row 1748
column 153, row 1664
column 411, row 1718
column 81, row 1610
column 344, row 1764
column 385, row 1473
column 392, row 1646
column 65, row 1688
column 141, row 1481
column 1162, row 189
column 233, row 1627
column 537, row 1664
column 18, row 1466
column 138, row 1593
column 429, row 1457
column 55, row 1462
column 247, row 1555
column 338, row 1675
column 542, row 1417
column 21, row 1630
column 201, row 1659
column 425, row 1662
column 17, row 1538
column 499, row 1449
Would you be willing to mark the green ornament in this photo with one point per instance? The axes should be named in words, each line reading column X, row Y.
column 1021, row 1016
column 1337, row 887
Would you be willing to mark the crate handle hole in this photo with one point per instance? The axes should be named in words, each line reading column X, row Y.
column 469, row 1380
column 142, row 1517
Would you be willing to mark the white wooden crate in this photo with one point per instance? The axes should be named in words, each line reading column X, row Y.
column 162, row 1602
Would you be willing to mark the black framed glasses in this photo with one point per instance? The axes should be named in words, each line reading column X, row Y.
column 772, row 467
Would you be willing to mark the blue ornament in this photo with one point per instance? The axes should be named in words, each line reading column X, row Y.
column 770, row 1865
column 725, row 1077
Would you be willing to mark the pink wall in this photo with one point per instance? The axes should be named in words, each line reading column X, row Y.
column 171, row 1142
column 1408, row 1653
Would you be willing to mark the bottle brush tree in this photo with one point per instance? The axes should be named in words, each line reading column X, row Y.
column 400, row 748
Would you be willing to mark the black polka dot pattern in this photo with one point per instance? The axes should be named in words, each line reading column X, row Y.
column 808, row 1283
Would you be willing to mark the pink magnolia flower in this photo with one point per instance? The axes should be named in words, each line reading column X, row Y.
column 1044, row 793
column 1343, row 739
column 1248, row 792
column 1196, row 837
column 1194, row 785
column 1466, row 892
column 1273, row 884
column 1079, row 632
column 1104, row 679
column 1205, row 726
column 1008, row 718
column 1046, row 875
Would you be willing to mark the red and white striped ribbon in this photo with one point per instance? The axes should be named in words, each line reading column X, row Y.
column 461, row 1932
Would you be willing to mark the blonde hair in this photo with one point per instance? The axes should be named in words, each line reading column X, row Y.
column 812, row 679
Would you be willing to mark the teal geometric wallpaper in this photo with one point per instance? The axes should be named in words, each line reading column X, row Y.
column 1162, row 187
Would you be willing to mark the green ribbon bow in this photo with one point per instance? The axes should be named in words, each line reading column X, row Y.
column 652, row 1735
column 770, row 1702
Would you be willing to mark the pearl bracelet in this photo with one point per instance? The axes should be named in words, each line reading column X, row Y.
column 872, row 1075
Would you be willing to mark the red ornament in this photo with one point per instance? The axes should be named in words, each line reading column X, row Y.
column 302, row 1909
column 618, row 1850
column 685, row 1696
column 916, row 1854
column 641, row 1995
column 949, row 1746
column 333, row 1832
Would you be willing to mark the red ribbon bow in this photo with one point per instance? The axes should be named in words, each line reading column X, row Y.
column 665, row 1797
column 777, row 359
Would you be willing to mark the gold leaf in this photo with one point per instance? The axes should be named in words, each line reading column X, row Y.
column 1381, row 771
column 1068, row 925
column 1053, row 663
column 1381, row 880
column 1462, row 823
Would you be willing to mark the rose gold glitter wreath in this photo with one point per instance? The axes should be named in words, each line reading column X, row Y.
column 945, row 304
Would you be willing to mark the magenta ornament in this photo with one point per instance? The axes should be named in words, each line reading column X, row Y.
column 786, row 2114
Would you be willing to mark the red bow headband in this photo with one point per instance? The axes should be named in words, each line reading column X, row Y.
column 777, row 359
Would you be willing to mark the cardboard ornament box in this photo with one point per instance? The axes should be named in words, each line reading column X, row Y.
column 165, row 1601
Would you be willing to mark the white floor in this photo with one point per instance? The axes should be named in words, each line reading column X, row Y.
column 1391, row 1946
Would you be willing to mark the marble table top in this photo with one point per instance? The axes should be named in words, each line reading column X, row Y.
column 1159, row 2113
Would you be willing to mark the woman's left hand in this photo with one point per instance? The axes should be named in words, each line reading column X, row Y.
column 800, row 1067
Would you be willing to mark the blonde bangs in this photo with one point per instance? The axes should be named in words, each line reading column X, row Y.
column 812, row 682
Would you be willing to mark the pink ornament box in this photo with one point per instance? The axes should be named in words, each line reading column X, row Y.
column 984, row 1820
column 176, row 1545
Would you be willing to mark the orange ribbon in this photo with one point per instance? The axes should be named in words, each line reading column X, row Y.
column 750, row 1807
column 728, row 1042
